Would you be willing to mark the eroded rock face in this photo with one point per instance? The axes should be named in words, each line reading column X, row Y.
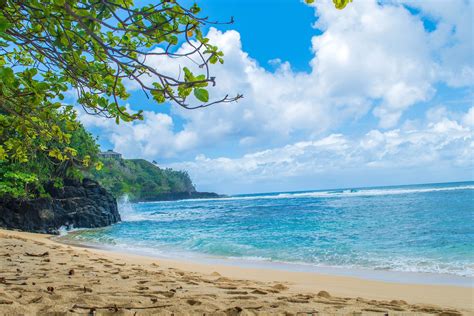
column 78, row 204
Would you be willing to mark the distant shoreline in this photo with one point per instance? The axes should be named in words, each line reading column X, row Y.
column 178, row 196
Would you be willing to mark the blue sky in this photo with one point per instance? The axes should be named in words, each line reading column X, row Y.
column 376, row 94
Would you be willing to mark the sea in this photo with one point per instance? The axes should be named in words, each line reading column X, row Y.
column 408, row 230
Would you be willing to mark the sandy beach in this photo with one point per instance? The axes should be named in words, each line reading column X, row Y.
column 39, row 276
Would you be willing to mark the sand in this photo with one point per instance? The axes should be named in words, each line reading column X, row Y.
column 39, row 276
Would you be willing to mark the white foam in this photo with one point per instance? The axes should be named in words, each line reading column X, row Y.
column 128, row 212
column 64, row 230
column 375, row 192
column 338, row 193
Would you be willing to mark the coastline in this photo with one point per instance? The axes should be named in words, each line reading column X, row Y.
column 388, row 276
column 298, row 290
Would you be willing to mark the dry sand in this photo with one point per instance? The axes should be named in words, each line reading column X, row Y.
column 39, row 276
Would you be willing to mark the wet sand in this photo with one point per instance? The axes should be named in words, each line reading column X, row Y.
column 39, row 276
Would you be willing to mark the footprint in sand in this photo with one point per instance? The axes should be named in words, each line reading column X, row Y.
column 233, row 311
column 324, row 294
column 192, row 283
column 293, row 299
column 257, row 291
column 227, row 287
column 245, row 297
column 7, row 302
column 376, row 310
column 237, row 292
column 193, row 302
column 280, row 287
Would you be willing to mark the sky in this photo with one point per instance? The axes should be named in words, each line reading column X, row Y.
column 380, row 93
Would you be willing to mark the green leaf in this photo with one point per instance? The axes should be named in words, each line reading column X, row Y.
column 341, row 4
column 41, row 134
column 7, row 76
column 158, row 96
column 201, row 94
column 3, row 154
column 4, row 23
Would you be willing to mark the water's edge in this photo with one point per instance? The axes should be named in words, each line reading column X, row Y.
column 405, row 234
column 365, row 274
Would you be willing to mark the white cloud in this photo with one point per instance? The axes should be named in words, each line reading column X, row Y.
column 374, row 52
column 443, row 142
column 452, row 40
column 370, row 59
column 153, row 137
column 369, row 56
column 468, row 118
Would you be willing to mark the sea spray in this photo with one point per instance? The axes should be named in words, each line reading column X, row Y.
column 126, row 209
column 64, row 230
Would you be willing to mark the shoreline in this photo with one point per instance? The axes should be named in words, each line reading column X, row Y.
column 215, row 287
column 389, row 276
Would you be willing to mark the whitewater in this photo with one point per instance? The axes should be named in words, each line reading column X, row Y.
column 418, row 228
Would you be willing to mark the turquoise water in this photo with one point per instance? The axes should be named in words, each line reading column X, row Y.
column 419, row 228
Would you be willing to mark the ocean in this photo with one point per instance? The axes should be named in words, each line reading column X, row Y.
column 425, row 228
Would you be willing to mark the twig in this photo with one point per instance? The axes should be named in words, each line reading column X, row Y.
column 44, row 254
column 119, row 307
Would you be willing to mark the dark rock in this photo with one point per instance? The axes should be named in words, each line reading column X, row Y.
column 78, row 204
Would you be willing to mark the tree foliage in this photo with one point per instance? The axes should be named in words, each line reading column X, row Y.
column 49, row 48
column 94, row 45
column 52, row 47
column 26, row 178
column 139, row 179
column 339, row 4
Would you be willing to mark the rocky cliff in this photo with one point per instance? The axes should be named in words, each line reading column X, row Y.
column 141, row 180
column 78, row 204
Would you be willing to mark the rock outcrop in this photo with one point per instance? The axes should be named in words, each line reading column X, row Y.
column 142, row 181
column 78, row 204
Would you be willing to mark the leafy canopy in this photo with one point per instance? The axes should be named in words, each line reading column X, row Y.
column 26, row 178
column 52, row 47
column 339, row 4
column 139, row 179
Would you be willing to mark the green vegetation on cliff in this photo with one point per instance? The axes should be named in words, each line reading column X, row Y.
column 27, row 179
column 141, row 180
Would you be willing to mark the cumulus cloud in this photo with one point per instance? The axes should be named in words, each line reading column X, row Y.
column 153, row 137
column 370, row 59
column 468, row 118
column 432, row 143
column 451, row 42
column 377, row 53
